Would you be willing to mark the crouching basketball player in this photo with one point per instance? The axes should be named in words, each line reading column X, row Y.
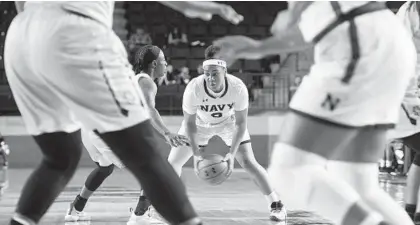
column 216, row 104
column 408, row 128
column 149, row 64
column 335, row 132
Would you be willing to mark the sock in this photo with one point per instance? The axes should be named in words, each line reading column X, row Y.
column 271, row 198
column 410, row 209
column 79, row 203
column 86, row 193
column 142, row 206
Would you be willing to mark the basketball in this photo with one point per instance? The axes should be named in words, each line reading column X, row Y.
column 212, row 169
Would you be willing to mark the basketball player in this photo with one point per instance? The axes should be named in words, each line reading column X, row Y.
column 4, row 152
column 149, row 64
column 408, row 128
column 216, row 104
column 63, row 61
column 326, row 157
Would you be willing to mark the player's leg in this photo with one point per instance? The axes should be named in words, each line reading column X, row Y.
column 92, row 183
column 298, row 172
column 411, row 196
column 46, row 118
column 178, row 156
column 357, row 164
column 245, row 157
column 105, row 161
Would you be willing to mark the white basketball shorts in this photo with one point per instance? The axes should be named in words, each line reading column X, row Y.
column 224, row 131
column 64, row 68
column 98, row 151
column 360, row 73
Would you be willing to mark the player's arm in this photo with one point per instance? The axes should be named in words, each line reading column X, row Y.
column 204, row 10
column 191, row 130
column 149, row 91
column 242, row 47
column 241, row 119
column 286, row 38
column 189, row 108
column 19, row 6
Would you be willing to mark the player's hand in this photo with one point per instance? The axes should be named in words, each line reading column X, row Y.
column 197, row 160
column 229, row 14
column 176, row 140
column 230, row 159
column 282, row 22
column 234, row 47
column 205, row 11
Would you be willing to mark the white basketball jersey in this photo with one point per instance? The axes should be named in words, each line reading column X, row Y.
column 141, row 75
column 410, row 17
column 101, row 11
column 214, row 110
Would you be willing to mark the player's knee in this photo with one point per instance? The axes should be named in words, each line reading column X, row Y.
column 363, row 177
column 287, row 156
column 62, row 151
column 105, row 171
column 250, row 165
column 291, row 171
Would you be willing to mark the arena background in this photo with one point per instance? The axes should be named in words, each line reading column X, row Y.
column 271, row 81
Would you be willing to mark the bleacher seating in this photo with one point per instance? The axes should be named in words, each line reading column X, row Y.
column 258, row 19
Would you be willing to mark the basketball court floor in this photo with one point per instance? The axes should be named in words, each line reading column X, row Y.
column 237, row 201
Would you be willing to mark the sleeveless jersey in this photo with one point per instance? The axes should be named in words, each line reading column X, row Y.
column 212, row 110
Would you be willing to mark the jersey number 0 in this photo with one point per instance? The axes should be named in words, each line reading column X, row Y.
column 217, row 115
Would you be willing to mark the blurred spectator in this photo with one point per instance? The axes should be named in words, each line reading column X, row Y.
column 184, row 77
column 139, row 38
column 168, row 79
column 274, row 67
column 294, row 86
column 200, row 69
column 177, row 37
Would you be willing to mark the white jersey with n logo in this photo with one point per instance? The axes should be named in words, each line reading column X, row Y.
column 409, row 122
column 215, row 110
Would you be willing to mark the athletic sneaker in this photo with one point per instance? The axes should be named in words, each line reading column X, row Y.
column 144, row 219
column 278, row 212
column 73, row 215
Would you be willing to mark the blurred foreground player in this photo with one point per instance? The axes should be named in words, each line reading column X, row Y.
column 326, row 157
column 149, row 64
column 216, row 104
column 74, row 66
column 4, row 152
column 408, row 128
